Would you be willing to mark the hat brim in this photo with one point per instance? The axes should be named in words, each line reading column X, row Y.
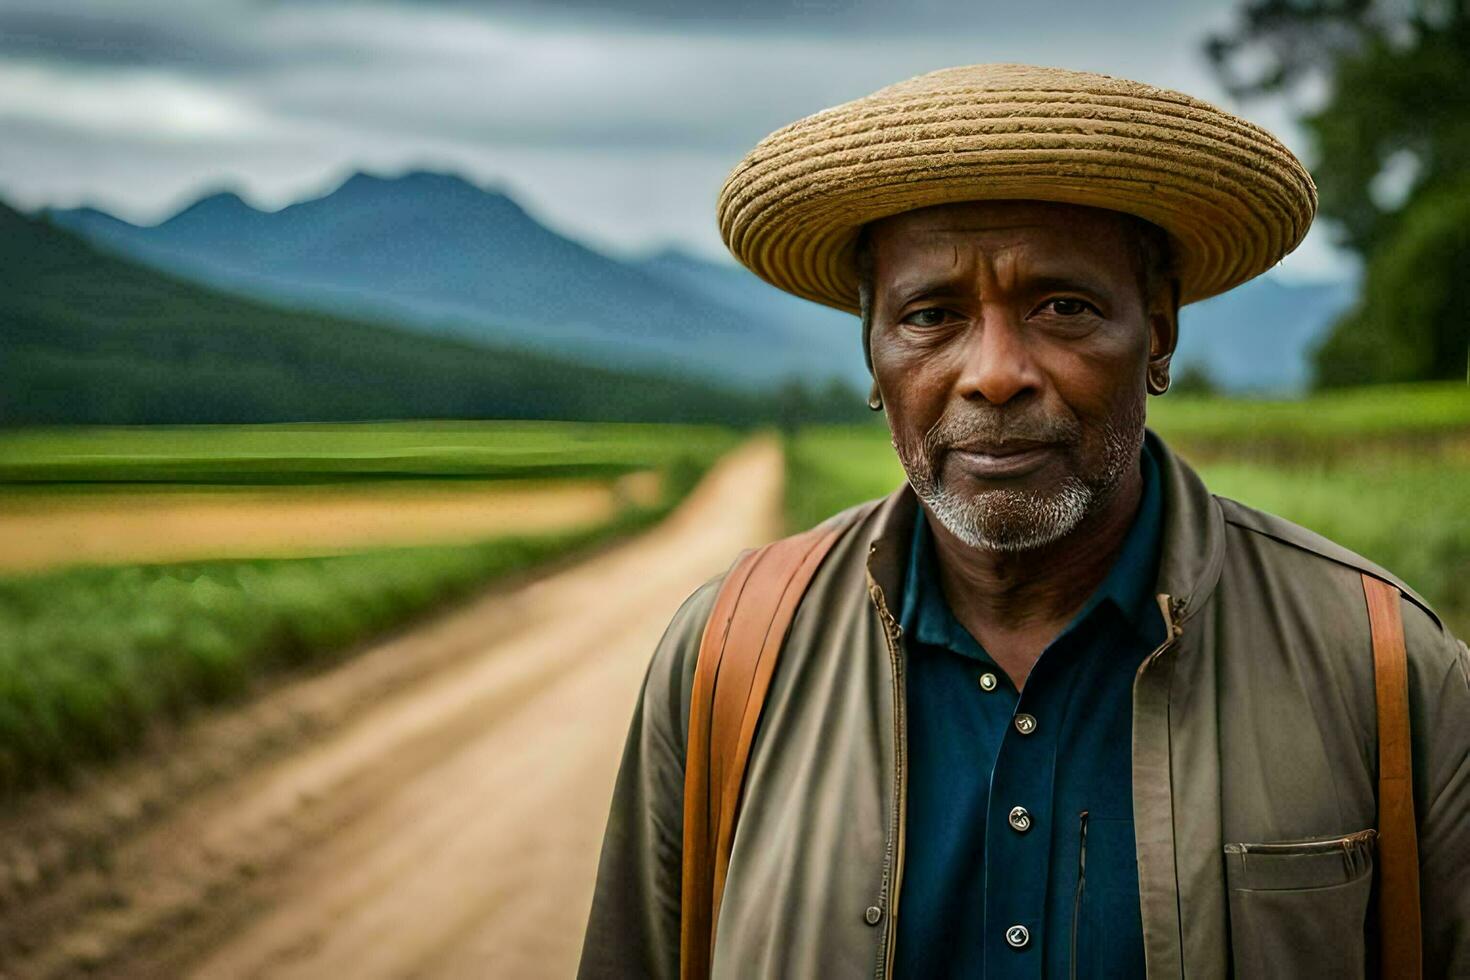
column 1233, row 200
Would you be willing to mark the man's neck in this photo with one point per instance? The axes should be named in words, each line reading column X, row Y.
column 1016, row 602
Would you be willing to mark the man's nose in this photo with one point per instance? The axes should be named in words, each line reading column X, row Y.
column 997, row 363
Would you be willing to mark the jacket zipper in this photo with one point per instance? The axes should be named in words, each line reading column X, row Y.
column 1304, row 846
column 1172, row 609
column 1081, row 885
column 892, row 635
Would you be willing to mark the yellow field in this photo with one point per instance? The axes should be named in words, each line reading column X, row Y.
column 44, row 531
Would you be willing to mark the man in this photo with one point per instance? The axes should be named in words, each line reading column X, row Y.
column 1050, row 708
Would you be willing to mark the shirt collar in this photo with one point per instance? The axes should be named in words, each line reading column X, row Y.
column 1129, row 585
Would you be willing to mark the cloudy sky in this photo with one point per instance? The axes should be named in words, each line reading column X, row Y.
column 613, row 120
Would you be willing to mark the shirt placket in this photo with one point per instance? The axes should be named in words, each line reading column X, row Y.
column 1019, row 818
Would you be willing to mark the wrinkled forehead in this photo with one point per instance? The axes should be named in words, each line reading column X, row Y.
column 1040, row 231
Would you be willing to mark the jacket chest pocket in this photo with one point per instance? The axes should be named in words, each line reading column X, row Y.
column 1299, row 908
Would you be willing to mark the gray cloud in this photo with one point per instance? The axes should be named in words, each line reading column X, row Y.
column 617, row 125
column 227, row 37
column 98, row 38
column 836, row 18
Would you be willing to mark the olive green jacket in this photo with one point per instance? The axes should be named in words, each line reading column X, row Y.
column 1253, row 724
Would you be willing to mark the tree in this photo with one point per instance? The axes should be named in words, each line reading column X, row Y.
column 1391, row 137
column 1195, row 380
column 1396, row 111
column 1411, row 323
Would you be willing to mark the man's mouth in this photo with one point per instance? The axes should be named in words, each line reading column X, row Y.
column 1003, row 461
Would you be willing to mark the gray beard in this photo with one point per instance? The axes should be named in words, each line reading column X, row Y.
column 1023, row 520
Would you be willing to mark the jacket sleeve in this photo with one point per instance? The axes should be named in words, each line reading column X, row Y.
column 633, row 928
column 1439, row 681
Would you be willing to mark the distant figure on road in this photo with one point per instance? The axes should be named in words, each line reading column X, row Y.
column 1050, row 708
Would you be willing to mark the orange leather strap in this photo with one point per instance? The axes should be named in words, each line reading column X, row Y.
column 1400, row 949
column 737, row 658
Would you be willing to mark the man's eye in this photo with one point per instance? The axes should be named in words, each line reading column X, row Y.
column 931, row 317
column 1068, row 306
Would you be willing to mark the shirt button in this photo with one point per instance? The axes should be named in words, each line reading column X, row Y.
column 872, row 915
column 1020, row 819
column 1018, row 936
column 1025, row 724
column 987, row 681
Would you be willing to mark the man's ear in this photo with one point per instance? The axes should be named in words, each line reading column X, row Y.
column 1163, row 335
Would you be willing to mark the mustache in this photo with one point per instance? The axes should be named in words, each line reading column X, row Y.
column 999, row 427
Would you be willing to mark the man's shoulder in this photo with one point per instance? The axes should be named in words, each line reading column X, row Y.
column 1324, row 594
column 689, row 622
column 1310, row 561
column 672, row 667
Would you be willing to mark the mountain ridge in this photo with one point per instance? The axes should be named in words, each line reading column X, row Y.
column 93, row 338
column 440, row 254
column 443, row 255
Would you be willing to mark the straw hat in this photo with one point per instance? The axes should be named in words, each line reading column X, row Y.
column 1233, row 199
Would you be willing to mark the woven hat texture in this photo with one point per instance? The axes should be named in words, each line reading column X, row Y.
column 1232, row 198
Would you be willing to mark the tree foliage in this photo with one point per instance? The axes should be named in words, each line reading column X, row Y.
column 1385, row 86
column 1195, row 380
column 1411, row 323
column 1394, row 80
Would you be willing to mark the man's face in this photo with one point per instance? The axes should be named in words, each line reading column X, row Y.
column 1010, row 341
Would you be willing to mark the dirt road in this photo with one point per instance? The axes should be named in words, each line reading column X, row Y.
column 452, row 828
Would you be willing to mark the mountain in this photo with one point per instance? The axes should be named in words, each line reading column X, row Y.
column 437, row 253
column 836, row 333
column 88, row 337
column 434, row 252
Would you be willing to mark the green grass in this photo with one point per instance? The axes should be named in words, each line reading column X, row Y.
column 829, row 468
column 343, row 452
column 93, row 658
column 1382, row 471
column 1415, row 416
column 90, row 658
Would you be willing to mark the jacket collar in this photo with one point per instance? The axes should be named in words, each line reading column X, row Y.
column 1193, row 551
column 1191, row 554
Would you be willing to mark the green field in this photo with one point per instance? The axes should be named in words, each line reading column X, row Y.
column 91, row 659
column 1381, row 420
column 236, row 455
column 1385, row 472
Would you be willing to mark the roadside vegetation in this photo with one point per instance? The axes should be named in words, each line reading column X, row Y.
column 1384, row 471
column 124, row 457
column 93, row 659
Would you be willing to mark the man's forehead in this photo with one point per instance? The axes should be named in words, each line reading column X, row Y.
column 1048, row 239
column 994, row 219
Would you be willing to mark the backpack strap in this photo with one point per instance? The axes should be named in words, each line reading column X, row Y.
column 737, row 657
column 1400, row 950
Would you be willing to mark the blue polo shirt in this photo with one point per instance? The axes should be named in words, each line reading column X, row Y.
column 1019, row 848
